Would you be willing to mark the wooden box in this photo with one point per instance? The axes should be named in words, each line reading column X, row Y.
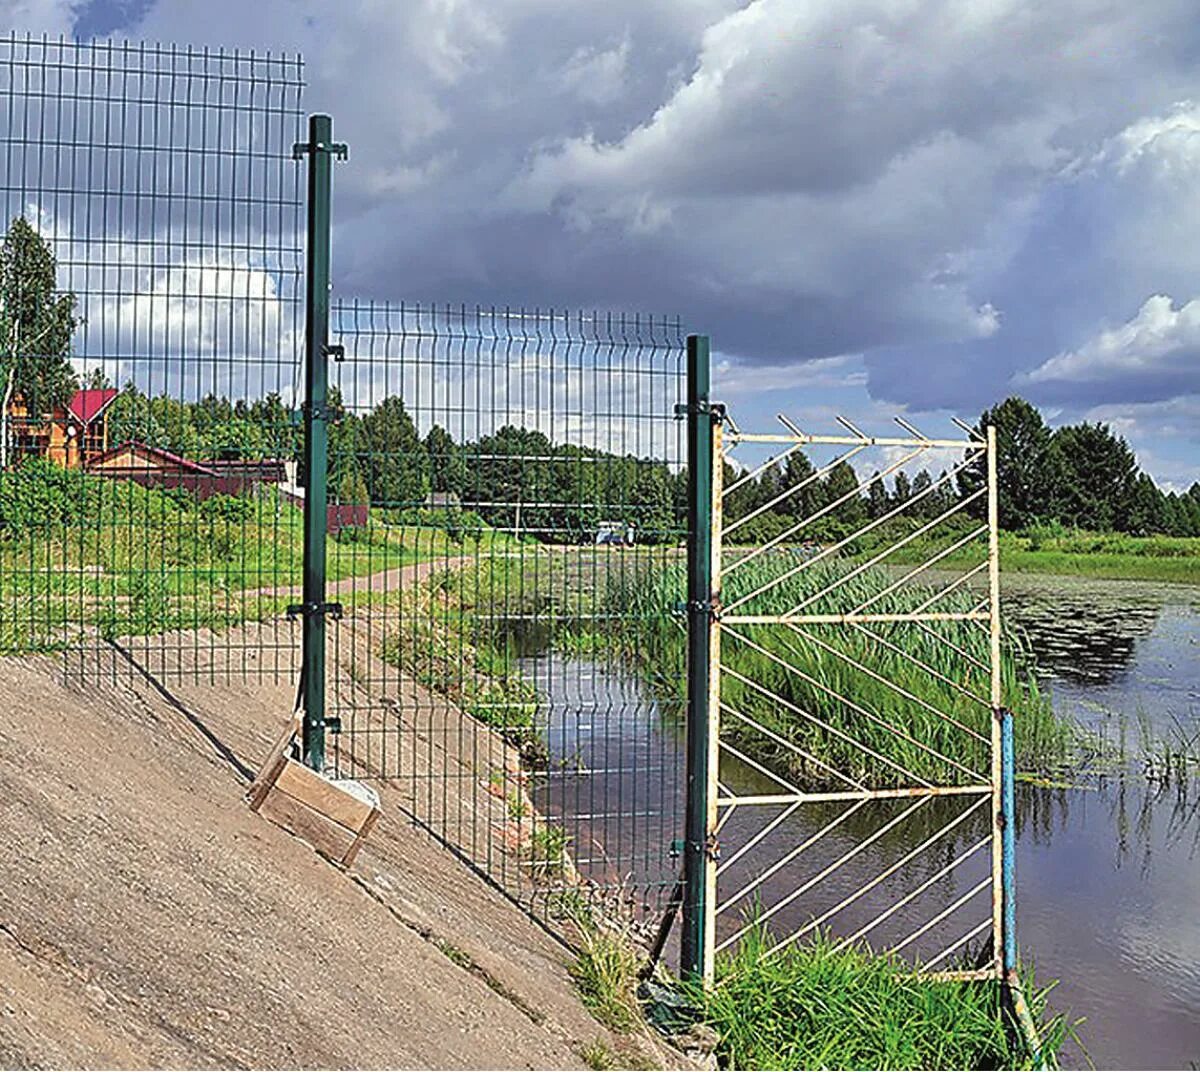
column 333, row 817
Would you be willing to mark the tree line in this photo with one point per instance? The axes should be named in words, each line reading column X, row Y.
column 1079, row 475
column 1082, row 476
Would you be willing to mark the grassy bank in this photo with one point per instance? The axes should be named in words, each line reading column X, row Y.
column 78, row 551
column 448, row 633
column 1112, row 556
column 814, row 1006
column 1105, row 556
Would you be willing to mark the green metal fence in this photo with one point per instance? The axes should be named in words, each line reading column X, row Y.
column 473, row 528
column 515, row 479
column 456, row 520
column 149, row 327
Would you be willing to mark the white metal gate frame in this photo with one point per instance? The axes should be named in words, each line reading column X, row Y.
column 728, row 622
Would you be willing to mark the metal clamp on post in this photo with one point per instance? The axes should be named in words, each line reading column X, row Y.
column 715, row 410
column 308, row 610
column 335, row 350
column 339, row 150
column 708, row 607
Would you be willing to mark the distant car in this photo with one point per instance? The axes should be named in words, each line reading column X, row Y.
column 614, row 532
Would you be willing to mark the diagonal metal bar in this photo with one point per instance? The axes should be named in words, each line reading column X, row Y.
column 789, row 492
column 751, row 842
column 862, row 567
column 728, row 814
column 838, row 545
column 874, row 716
column 980, row 616
column 899, row 690
column 844, row 859
column 785, row 743
column 793, row 529
column 906, row 859
column 914, row 894
column 922, row 624
column 754, row 764
column 921, row 664
column 945, row 552
column 750, row 474
column 955, row 584
column 948, row 910
column 954, row 945
column 758, row 880
column 771, row 461
column 866, row 749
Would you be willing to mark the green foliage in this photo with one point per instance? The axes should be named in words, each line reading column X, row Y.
column 442, row 641
column 1025, row 465
column 209, row 429
column 39, row 495
column 1083, row 476
column 547, row 851
column 606, row 973
column 393, row 456
column 231, row 508
column 812, row 1005
column 447, row 467
column 788, row 679
column 352, row 488
column 36, row 323
column 1098, row 477
column 452, row 520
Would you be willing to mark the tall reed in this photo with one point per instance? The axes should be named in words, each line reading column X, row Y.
column 799, row 701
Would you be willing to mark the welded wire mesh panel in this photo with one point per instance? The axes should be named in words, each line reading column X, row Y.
column 507, row 542
column 149, row 339
column 859, row 671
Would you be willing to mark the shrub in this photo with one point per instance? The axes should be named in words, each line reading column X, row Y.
column 39, row 494
column 231, row 508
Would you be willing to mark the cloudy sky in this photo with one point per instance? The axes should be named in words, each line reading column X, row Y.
column 872, row 206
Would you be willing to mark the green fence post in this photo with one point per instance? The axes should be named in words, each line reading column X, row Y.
column 320, row 149
column 693, row 946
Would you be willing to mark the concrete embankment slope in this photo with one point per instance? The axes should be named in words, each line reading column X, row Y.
column 149, row 919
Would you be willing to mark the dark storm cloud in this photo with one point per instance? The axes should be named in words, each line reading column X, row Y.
column 961, row 191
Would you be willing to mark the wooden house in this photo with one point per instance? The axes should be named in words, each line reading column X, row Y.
column 71, row 436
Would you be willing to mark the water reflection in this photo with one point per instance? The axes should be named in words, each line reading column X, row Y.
column 1084, row 632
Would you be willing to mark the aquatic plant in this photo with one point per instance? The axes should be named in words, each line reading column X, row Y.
column 920, row 710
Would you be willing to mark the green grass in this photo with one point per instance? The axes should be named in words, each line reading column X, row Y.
column 922, row 680
column 1107, row 557
column 130, row 560
column 435, row 635
column 606, row 973
column 1104, row 556
column 811, row 1006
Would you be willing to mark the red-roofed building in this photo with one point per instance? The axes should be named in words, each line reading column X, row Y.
column 153, row 467
column 72, row 436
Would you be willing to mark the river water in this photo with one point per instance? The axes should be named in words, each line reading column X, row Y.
column 1108, row 871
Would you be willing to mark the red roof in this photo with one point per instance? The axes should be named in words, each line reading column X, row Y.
column 86, row 406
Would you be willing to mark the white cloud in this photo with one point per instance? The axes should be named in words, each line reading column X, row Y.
column 597, row 75
column 1153, row 356
column 1169, row 144
column 52, row 17
column 956, row 191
